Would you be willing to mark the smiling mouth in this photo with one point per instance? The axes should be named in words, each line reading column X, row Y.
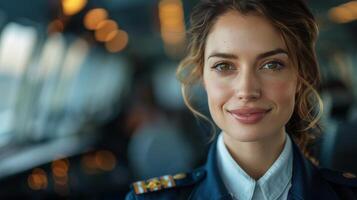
column 249, row 115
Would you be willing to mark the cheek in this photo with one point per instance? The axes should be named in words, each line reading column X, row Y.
column 282, row 93
column 218, row 93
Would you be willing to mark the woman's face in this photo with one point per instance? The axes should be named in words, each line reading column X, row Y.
column 248, row 77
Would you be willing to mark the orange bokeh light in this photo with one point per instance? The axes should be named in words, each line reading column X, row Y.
column 170, row 9
column 344, row 13
column 55, row 26
column 172, row 24
column 104, row 28
column 37, row 180
column 118, row 40
column 94, row 17
column 105, row 160
column 88, row 164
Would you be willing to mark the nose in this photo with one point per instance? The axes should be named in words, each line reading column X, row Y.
column 247, row 86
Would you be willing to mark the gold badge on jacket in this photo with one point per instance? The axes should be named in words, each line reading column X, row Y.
column 156, row 184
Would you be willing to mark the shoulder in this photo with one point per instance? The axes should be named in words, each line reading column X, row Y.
column 344, row 182
column 176, row 186
column 340, row 178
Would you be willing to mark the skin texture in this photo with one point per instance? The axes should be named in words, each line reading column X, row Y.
column 239, row 73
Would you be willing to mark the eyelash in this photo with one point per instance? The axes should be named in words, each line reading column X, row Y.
column 275, row 62
column 218, row 67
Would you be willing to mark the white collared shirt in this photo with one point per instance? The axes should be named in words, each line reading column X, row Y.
column 273, row 185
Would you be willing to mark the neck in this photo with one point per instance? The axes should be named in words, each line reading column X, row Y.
column 255, row 158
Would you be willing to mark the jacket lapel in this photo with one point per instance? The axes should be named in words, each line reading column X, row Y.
column 212, row 187
column 307, row 182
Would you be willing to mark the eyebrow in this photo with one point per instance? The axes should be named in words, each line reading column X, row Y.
column 260, row 56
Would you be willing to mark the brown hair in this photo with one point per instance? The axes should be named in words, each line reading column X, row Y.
column 299, row 31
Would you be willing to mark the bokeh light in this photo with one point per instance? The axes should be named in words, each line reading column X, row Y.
column 172, row 21
column 60, row 168
column 37, row 180
column 104, row 28
column 344, row 13
column 94, row 17
column 72, row 7
column 116, row 41
column 99, row 161
column 88, row 164
column 105, row 160
column 55, row 26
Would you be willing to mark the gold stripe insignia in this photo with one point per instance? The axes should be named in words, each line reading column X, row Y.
column 156, row 184
column 153, row 184
column 139, row 187
column 349, row 175
column 179, row 176
column 167, row 181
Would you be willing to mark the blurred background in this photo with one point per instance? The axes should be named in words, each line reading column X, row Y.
column 90, row 103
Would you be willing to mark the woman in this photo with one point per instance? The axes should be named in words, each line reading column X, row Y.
column 257, row 63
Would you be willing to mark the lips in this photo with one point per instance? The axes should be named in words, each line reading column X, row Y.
column 249, row 115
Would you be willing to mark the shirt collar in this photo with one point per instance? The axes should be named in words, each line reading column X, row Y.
column 274, row 182
column 306, row 182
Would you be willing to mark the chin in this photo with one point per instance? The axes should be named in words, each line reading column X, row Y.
column 244, row 135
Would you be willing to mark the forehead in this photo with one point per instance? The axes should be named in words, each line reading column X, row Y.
column 242, row 34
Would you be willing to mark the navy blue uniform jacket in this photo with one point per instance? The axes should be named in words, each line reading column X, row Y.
column 308, row 182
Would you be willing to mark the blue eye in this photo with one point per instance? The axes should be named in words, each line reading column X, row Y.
column 223, row 67
column 273, row 65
